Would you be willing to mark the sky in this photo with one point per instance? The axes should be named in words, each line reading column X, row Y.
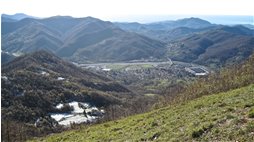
column 127, row 10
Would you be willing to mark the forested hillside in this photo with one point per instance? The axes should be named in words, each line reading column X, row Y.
column 33, row 85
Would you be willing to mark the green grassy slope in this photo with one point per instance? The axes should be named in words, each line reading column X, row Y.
column 225, row 116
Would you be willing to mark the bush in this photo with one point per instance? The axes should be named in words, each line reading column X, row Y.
column 250, row 127
column 251, row 113
column 197, row 133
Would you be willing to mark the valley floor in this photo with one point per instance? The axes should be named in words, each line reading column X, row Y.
column 147, row 77
column 221, row 117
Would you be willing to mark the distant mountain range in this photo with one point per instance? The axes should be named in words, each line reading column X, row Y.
column 88, row 40
column 15, row 17
column 78, row 39
column 168, row 30
column 192, row 22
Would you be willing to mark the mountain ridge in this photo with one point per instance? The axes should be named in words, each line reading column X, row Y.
column 17, row 16
column 217, row 47
column 91, row 40
column 75, row 34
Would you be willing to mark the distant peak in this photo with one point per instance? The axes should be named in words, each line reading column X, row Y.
column 20, row 14
column 59, row 17
column 17, row 16
column 193, row 19
column 92, row 18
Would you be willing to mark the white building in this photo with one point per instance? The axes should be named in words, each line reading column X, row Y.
column 197, row 71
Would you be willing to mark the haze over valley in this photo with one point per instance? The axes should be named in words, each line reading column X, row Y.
column 182, row 77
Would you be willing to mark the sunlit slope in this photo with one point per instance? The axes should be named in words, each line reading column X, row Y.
column 220, row 117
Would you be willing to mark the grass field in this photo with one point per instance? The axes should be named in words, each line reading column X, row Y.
column 220, row 117
column 128, row 66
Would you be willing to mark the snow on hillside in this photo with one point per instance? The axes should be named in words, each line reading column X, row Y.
column 82, row 113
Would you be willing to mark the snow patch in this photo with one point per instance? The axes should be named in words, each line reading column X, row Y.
column 4, row 78
column 60, row 116
column 77, row 115
column 17, row 54
column 44, row 73
column 76, row 108
column 77, row 119
column 59, row 106
column 106, row 69
column 60, row 78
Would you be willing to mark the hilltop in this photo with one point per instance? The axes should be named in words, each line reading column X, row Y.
column 15, row 17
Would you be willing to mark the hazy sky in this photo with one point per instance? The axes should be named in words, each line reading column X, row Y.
column 114, row 9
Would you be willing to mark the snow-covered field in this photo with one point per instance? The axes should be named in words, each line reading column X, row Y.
column 77, row 115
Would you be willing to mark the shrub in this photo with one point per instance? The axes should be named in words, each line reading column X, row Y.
column 250, row 127
column 229, row 116
column 251, row 113
column 249, row 105
column 197, row 133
